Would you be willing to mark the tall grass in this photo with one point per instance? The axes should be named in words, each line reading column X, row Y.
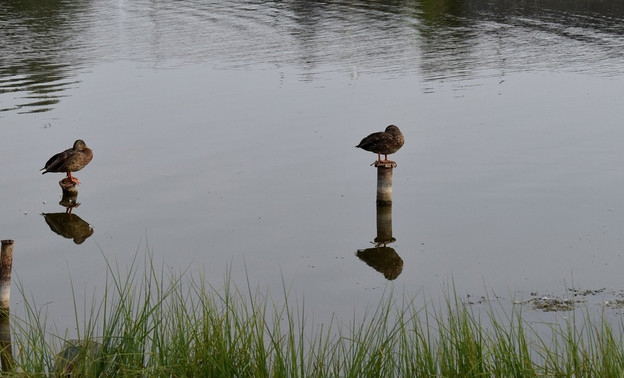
column 157, row 324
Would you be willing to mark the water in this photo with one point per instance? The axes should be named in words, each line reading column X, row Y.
column 224, row 138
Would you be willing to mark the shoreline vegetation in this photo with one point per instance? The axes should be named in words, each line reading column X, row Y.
column 157, row 324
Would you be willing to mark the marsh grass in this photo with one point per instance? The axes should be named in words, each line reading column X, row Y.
column 150, row 322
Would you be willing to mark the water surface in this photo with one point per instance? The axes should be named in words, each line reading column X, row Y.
column 223, row 136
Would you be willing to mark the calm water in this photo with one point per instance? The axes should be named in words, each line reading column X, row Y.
column 223, row 136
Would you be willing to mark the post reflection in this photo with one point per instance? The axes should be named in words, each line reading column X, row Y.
column 67, row 224
column 382, row 258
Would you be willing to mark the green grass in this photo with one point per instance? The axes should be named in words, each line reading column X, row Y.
column 155, row 324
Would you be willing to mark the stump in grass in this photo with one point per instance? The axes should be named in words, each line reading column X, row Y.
column 6, row 266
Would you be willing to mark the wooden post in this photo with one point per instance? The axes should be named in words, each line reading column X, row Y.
column 384, row 182
column 6, row 351
column 68, row 186
column 6, row 265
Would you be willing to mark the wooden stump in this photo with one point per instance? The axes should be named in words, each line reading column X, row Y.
column 384, row 182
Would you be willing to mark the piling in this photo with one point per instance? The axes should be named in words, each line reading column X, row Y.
column 69, row 187
column 384, row 182
column 6, row 351
column 6, row 264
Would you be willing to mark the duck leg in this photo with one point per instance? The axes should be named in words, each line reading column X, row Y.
column 72, row 178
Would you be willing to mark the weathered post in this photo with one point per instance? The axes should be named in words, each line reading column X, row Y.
column 6, row 265
column 384, row 182
column 68, row 187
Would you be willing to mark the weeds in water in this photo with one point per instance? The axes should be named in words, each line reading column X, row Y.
column 152, row 323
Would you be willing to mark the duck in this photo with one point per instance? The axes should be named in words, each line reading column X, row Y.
column 384, row 142
column 70, row 160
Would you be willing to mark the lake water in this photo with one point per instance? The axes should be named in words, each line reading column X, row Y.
column 224, row 134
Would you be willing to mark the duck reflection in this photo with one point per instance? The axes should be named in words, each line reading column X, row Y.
column 385, row 260
column 67, row 224
column 382, row 258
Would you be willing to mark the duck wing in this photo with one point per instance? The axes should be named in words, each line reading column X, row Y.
column 58, row 162
column 379, row 142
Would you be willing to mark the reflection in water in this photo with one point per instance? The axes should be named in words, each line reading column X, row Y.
column 38, row 51
column 42, row 81
column 382, row 258
column 384, row 225
column 45, row 43
column 70, row 196
column 67, row 224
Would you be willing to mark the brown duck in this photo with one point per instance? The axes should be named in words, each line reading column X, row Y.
column 384, row 142
column 70, row 160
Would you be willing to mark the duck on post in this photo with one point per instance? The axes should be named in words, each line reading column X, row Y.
column 384, row 143
column 70, row 160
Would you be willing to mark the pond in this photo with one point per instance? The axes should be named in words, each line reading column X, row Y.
column 224, row 132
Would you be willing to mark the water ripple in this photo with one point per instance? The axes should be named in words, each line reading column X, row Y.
column 444, row 40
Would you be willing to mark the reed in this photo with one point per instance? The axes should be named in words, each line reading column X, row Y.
column 149, row 322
